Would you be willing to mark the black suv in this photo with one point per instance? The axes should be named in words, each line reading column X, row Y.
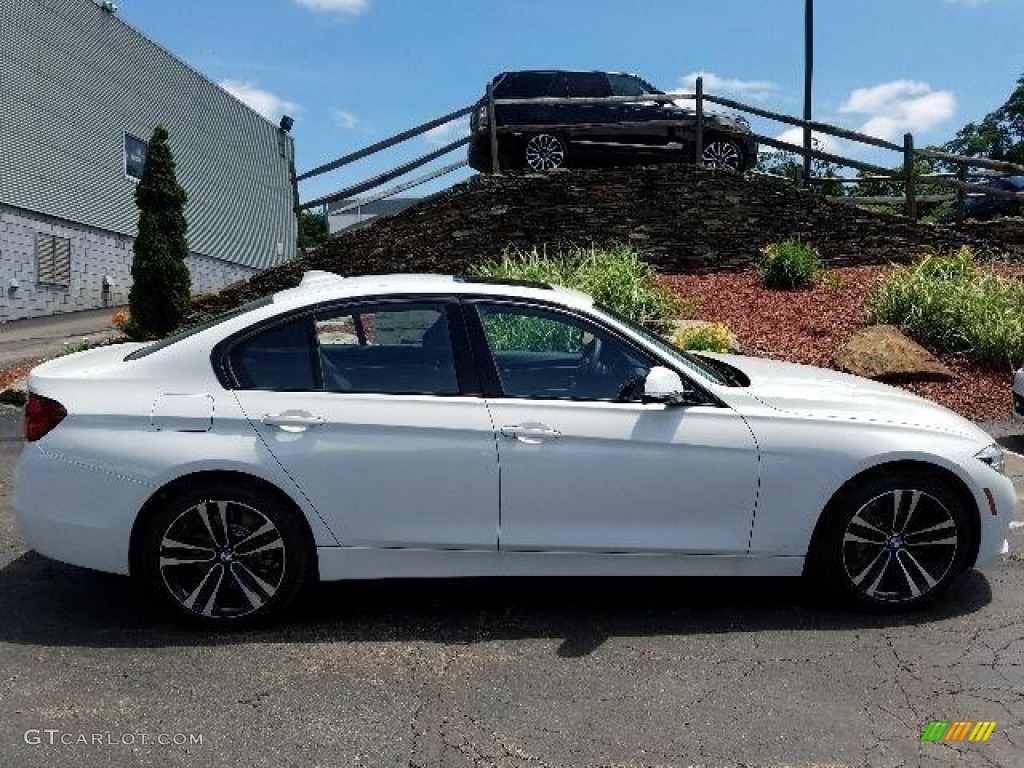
column 543, row 137
column 984, row 208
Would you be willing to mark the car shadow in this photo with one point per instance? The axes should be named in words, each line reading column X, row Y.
column 51, row 604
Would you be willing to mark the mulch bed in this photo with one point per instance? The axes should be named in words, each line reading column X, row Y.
column 811, row 326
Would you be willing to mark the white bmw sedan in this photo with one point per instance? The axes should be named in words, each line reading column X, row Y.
column 427, row 426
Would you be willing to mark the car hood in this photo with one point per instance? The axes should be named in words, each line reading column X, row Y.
column 820, row 393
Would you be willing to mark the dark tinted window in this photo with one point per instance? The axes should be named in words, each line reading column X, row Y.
column 629, row 85
column 388, row 349
column 134, row 156
column 589, row 85
column 279, row 358
column 526, row 85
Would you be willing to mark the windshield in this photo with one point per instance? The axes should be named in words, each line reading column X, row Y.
column 685, row 360
column 181, row 335
column 630, row 85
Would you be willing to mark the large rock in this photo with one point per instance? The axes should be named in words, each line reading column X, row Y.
column 883, row 352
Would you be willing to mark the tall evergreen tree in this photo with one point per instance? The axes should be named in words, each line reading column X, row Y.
column 159, row 296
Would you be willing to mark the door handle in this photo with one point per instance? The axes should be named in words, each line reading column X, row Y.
column 531, row 433
column 293, row 421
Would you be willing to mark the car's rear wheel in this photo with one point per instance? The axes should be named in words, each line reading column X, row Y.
column 895, row 542
column 225, row 555
column 723, row 153
column 545, row 152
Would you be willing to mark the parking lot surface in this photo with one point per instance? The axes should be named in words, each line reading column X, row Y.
column 514, row 672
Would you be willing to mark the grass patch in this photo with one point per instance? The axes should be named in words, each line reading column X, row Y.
column 951, row 303
column 789, row 265
column 704, row 338
column 615, row 276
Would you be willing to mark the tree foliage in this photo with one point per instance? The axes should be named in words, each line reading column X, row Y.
column 790, row 165
column 999, row 135
column 159, row 296
column 313, row 230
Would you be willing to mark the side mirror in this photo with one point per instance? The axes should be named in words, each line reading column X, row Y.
column 665, row 386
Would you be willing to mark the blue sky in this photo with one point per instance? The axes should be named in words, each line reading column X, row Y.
column 352, row 72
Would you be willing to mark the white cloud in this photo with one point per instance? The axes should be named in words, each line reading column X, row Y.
column 898, row 107
column 268, row 104
column 716, row 85
column 347, row 7
column 447, row 133
column 346, row 120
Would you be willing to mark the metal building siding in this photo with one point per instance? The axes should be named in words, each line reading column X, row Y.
column 74, row 79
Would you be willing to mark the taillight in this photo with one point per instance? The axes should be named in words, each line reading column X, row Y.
column 482, row 120
column 41, row 415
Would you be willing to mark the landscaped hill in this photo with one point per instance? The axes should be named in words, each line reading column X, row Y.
column 682, row 219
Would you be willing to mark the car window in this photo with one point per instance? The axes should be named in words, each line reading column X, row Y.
column 387, row 350
column 278, row 358
column 629, row 85
column 589, row 85
column 542, row 353
column 525, row 85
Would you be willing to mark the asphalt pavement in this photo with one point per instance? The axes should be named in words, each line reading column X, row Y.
column 512, row 672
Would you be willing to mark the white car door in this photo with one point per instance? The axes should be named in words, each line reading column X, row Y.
column 586, row 466
column 364, row 407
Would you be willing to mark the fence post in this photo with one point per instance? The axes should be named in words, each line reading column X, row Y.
column 910, row 175
column 961, row 193
column 493, row 128
column 699, row 138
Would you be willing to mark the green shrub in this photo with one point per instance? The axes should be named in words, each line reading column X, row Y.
column 951, row 303
column 707, row 338
column 616, row 277
column 790, row 264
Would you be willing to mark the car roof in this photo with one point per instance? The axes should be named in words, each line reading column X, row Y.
column 563, row 72
column 318, row 286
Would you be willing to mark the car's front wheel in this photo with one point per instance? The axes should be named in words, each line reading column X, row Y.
column 225, row 555
column 545, row 152
column 895, row 542
column 723, row 153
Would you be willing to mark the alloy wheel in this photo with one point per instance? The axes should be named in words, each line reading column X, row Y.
column 222, row 559
column 899, row 546
column 545, row 152
column 722, row 153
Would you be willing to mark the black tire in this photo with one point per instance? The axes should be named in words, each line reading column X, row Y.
column 893, row 542
column 241, row 556
column 545, row 152
column 722, row 152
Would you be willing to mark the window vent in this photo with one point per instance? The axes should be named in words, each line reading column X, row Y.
column 53, row 260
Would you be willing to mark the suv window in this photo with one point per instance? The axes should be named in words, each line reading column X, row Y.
column 542, row 353
column 526, row 85
column 588, row 85
column 629, row 85
column 387, row 350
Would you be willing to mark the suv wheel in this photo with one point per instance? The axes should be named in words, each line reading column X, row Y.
column 545, row 152
column 723, row 153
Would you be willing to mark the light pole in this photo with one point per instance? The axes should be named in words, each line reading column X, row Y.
column 808, row 77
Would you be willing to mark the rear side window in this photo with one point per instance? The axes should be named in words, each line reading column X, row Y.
column 280, row 358
column 526, row 85
column 590, row 85
column 387, row 350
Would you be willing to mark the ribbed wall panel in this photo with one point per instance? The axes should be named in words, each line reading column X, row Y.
column 74, row 80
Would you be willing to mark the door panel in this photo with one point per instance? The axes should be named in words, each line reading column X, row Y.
column 625, row 477
column 379, row 432
column 587, row 467
column 388, row 470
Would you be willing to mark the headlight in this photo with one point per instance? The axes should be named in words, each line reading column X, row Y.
column 994, row 456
